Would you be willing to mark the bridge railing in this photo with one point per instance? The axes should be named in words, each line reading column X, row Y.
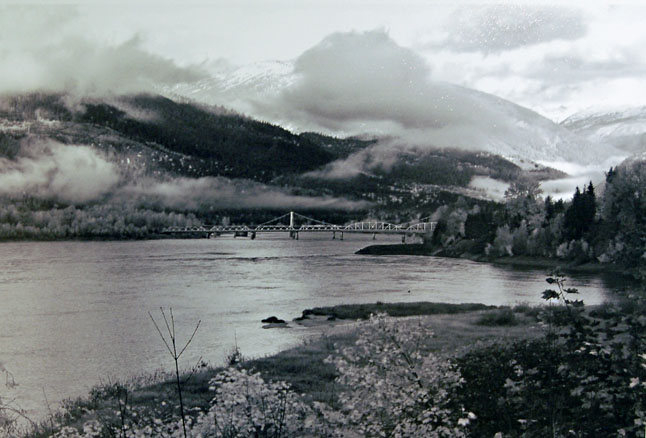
column 422, row 226
column 372, row 226
column 356, row 227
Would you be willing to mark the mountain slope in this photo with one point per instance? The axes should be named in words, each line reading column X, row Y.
column 468, row 119
column 160, row 153
column 203, row 141
column 624, row 129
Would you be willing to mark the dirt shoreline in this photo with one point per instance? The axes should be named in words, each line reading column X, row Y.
column 418, row 249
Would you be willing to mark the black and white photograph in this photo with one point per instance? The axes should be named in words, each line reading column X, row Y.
column 322, row 218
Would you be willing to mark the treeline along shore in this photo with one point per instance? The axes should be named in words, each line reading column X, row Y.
column 593, row 231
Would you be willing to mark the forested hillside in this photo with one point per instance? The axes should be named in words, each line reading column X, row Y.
column 128, row 166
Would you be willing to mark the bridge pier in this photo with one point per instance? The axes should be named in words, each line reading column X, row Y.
column 403, row 238
column 374, row 236
column 333, row 235
column 253, row 235
column 341, row 235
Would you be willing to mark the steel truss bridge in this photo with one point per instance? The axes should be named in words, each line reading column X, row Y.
column 309, row 225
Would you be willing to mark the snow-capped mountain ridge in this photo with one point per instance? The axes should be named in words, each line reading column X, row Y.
column 623, row 128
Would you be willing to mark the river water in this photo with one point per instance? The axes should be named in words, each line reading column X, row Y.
column 73, row 314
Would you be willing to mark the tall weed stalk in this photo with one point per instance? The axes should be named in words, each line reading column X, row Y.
column 170, row 342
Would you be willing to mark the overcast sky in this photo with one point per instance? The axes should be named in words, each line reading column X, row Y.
column 554, row 59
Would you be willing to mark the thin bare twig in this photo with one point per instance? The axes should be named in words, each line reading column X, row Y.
column 173, row 352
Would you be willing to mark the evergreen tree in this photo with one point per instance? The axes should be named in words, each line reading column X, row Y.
column 580, row 215
column 549, row 210
column 589, row 207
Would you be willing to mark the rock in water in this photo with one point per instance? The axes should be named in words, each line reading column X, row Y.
column 273, row 320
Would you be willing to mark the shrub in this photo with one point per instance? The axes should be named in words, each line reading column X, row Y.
column 395, row 390
column 586, row 378
column 8, row 411
column 246, row 406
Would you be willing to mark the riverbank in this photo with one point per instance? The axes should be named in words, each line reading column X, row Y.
column 451, row 329
column 468, row 361
column 419, row 249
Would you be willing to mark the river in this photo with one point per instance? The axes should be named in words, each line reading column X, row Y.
column 73, row 314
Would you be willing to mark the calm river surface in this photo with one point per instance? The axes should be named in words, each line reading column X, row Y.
column 73, row 314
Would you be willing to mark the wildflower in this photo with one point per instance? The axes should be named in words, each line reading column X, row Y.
column 634, row 381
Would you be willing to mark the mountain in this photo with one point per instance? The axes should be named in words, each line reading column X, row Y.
column 125, row 166
column 191, row 140
column 477, row 122
column 624, row 129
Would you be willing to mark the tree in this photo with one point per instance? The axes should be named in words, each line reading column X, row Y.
column 624, row 214
column 580, row 215
column 521, row 201
column 480, row 225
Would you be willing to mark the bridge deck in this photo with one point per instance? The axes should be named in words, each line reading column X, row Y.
column 312, row 226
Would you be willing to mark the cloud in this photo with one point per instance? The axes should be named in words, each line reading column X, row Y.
column 383, row 155
column 204, row 194
column 494, row 28
column 51, row 170
column 353, row 80
column 493, row 188
column 40, row 49
column 355, row 83
column 554, row 60
column 580, row 176
column 81, row 174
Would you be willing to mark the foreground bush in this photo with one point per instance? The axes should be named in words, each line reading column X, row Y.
column 393, row 389
column 586, row 378
column 246, row 406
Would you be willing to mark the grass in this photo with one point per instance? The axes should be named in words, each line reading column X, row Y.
column 363, row 311
column 501, row 317
column 455, row 327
